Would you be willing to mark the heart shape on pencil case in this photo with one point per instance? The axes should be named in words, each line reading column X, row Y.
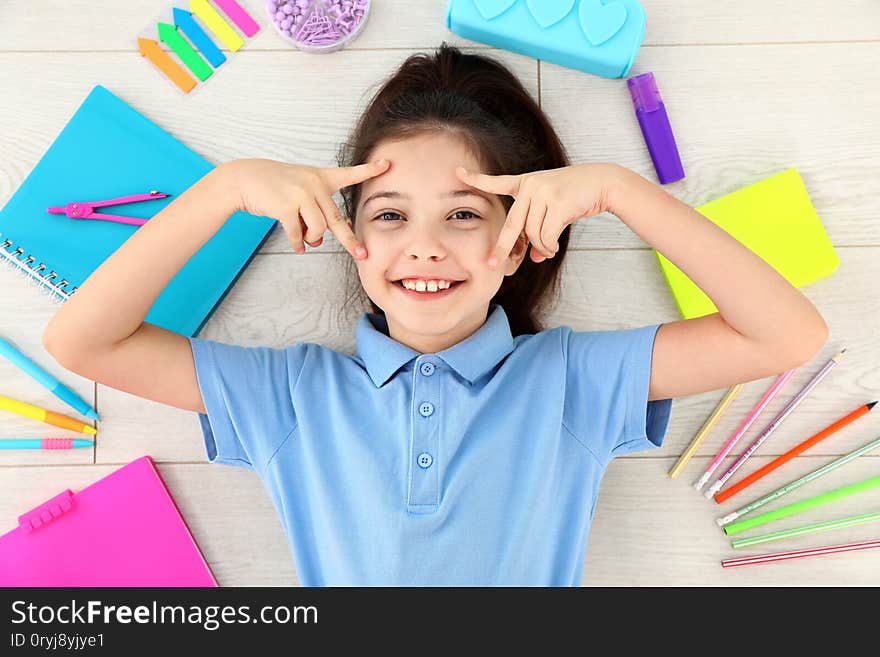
column 492, row 8
column 549, row 12
column 601, row 22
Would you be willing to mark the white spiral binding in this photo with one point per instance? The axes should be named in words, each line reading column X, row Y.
column 34, row 273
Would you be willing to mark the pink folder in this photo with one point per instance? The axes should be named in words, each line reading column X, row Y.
column 123, row 530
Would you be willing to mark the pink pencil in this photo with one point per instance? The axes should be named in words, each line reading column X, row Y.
column 795, row 554
column 753, row 415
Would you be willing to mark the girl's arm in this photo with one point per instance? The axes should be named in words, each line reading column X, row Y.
column 763, row 326
column 100, row 333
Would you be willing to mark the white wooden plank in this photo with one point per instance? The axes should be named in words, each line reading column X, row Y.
column 649, row 531
column 739, row 115
column 730, row 135
column 407, row 24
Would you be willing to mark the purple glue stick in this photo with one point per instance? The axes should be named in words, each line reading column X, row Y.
column 651, row 113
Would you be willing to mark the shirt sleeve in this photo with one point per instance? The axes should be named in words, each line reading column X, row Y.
column 606, row 398
column 248, row 395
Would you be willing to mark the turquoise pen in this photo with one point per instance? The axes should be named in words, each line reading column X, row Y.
column 44, row 443
column 52, row 384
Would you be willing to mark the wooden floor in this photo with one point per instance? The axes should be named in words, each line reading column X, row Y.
column 752, row 88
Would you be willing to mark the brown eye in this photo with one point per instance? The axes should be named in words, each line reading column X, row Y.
column 470, row 214
column 386, row 214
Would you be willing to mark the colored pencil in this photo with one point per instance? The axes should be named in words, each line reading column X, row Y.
column 774, row 424
column 704, row 431
column 808, row 529
column 727, row 493
column 753, row 414
column 44, row 443
column 797, row 483
column 43, row 415
column 803, row 505
column 795, row 554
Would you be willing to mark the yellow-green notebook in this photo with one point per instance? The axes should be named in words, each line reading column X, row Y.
column 775, row 219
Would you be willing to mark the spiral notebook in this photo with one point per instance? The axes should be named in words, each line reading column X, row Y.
column 123, row 530
column 108, row 150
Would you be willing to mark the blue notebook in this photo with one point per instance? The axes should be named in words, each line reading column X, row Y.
column 108, row 150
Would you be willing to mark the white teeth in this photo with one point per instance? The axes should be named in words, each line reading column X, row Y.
column 429, row 286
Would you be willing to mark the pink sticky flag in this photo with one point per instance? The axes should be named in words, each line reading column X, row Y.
column 239, row 16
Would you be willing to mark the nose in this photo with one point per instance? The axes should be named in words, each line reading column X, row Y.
column 426, row 243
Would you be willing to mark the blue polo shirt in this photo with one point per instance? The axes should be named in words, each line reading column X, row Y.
column 475, row 466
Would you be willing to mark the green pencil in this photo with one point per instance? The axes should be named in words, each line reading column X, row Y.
column 803, row 505
column 808, row 529
column 797, row 483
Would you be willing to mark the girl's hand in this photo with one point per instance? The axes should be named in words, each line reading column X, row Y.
column 299, row 197
column 546, row 202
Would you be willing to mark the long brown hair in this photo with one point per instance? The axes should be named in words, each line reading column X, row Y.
column 481, row 101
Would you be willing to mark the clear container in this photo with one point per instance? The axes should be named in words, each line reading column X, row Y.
column 318, row 26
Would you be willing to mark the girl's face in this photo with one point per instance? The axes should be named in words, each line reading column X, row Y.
column 419, row 221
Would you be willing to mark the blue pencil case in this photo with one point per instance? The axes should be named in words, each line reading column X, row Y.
column 593, row 36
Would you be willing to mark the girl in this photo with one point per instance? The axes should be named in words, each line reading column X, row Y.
column 463, row 443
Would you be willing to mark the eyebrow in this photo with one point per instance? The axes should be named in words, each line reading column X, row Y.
column 458, row 193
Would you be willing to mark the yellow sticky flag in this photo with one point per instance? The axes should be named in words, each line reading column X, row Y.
column 216, row 24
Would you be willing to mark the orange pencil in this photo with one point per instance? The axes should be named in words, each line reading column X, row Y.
column 794, row 451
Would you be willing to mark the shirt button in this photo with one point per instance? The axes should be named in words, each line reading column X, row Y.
column 427, row 369
column 425, row 460
column 426, row 409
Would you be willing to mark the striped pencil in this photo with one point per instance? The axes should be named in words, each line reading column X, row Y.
column 705, row 429
column 803, row 505
column 749, row 420
column 797, row 483
column 795, row 554
column 774, row 424
column 727, row 493
column 808, row 529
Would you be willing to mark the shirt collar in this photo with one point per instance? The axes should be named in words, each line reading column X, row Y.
column 470, row 358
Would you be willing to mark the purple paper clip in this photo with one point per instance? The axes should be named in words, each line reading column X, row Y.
column 654, row 122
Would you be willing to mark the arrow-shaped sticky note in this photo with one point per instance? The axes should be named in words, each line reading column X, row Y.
column 190, row 58
column 216, row 24
column 239, row 16
column 187, row 24
column 151, row 50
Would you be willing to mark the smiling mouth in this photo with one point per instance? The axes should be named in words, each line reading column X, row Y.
column 453, row 285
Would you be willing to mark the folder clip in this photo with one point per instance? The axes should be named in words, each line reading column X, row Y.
column 47, row 512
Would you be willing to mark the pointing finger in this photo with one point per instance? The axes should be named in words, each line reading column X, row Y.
column 347, row 176
column 507, row 185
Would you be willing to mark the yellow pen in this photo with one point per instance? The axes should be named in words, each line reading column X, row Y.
column 41, row 414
